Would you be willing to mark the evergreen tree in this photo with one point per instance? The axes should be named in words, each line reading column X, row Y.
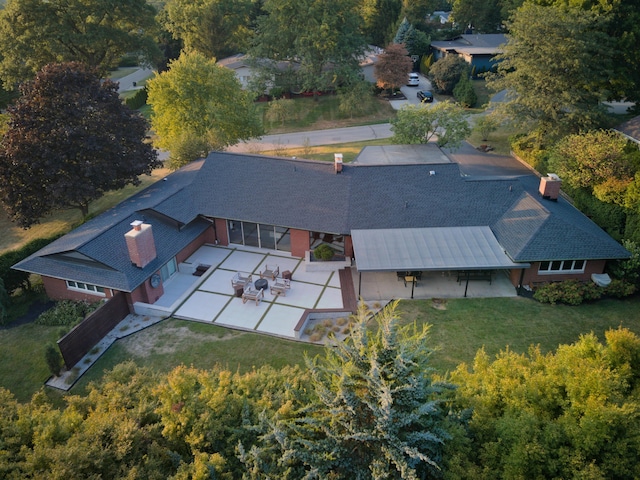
column 377, row 415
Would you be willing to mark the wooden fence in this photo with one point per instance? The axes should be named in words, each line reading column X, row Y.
column 86, row 335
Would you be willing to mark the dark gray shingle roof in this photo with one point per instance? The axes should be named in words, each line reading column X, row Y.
column 309, row 195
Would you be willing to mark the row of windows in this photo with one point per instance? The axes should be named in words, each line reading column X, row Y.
column 86, row 287
column 562, row 266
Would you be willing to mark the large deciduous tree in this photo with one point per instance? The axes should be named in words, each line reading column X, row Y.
column 199, row 106
column 418, row 124
column 376, row 413
column 483, row 16
column 321, row 39
column 445, row 73
column 393, row 67
column 34, row 33
column 599, row 161
column 379, row 20
column 70, row 139
column 553, row 67
column 214, row 28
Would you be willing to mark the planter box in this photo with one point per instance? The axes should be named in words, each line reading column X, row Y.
column 325, row 266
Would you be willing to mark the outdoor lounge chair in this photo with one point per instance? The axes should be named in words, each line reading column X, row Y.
column 280, row 286
column 240, row 280
column 251, row 293
column 271, row 271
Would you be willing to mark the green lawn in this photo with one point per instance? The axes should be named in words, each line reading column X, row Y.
column 324, row 113
column 457, row 333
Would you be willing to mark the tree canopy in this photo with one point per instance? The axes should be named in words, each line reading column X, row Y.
column 445, row 73
column 321, row 46
column 574, row 413
column 375, row 413
column 599, row 160
column 199, row 106
column 393, row 67
column 553, row 67
column 419, row 124
column 70, row 139
column 214, row 28
column 34, row 33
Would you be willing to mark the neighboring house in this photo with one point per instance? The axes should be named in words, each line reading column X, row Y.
column 440, row 16
column 388, row 217
column 478, row 50
column 239, row 64
column 630, row 129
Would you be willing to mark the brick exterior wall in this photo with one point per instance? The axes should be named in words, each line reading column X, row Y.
column 348, row 246
column 57, row 290
column 299, row 242
column 532, row 277
column 221, row 231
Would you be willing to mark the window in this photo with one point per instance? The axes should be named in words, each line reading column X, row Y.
column 562, row 266
column 168, row 269
column 85, row 287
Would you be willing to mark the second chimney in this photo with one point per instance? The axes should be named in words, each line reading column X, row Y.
column 550, row 186
column 140, row 243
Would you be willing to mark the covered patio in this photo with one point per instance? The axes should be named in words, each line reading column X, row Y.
column 455, row 256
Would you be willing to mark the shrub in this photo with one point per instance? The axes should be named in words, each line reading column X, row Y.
column 446, row 73
column 464, row 92
column 138, row 100
column 53, row 358
column 324, row 252
column 4, row 303
column 620, row 288
column 66, row 312
column 570, row 292
column 628, row 269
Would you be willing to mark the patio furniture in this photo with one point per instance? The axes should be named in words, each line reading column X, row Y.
column 240, row 280
column 261, row 284
column 270, row 271
column 238, row 290
column 474, row 275
column 201, row 269
column 252, row 294
column 280, row 286
column 401, row 275
column 286, row 275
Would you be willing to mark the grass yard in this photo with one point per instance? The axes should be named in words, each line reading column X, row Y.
column 177, row 342
column 324, row 113
column 497, row 323
column 62, row 221
column 326, row 152
column 457, row 333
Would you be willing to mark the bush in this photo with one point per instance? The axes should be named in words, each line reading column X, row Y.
column 446, row 73
column 53, row 358
column 570, row 292
column 138, row 100
column 324, row 252
column 66, row 312
column 4, row 304
column 629, row 269
column 14, row 279
column 464, row 92
column 620, row 288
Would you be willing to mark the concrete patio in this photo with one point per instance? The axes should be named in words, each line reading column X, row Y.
column 210, row 298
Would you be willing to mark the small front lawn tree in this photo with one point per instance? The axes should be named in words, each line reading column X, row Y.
column 446, row 73
column 70, row 140
column 393, row 67
column 419, row 124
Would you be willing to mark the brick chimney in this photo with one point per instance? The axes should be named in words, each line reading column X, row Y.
column 142, row 248
column 338, row 162
column 550, row 186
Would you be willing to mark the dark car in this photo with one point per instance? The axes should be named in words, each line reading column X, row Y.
column 425, row 96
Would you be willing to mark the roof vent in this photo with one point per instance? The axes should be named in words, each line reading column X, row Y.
column 432, row 173
column 140, row 243
column 338, row 162
column 550, row 187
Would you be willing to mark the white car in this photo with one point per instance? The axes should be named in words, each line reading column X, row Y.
column 413, row 80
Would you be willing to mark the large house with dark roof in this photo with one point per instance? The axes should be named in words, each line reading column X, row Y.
column 385, row 217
